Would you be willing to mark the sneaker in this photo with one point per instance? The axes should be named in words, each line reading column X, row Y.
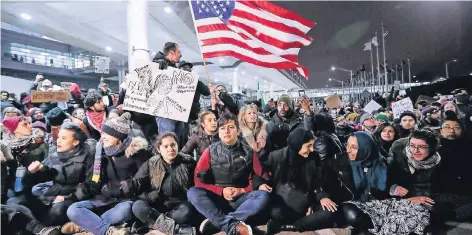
column 117, row 231
column 207, row 228
column 50, row 231
column 71, row 228
column 242, row 229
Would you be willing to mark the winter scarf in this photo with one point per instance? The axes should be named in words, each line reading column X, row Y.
column 15, row 146
column 157, row 170
column 428, row 163
column 63, row 157
column 110, row 151
column 96, row 119
column 368, row 156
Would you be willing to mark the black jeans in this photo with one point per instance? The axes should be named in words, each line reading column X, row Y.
column 23, row 221
column 183, row 213
column 318, row 219
column 356, row 217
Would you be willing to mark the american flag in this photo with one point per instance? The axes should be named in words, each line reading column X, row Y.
column 257, row 32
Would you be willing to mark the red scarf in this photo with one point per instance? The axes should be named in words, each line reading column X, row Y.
column 96, row 119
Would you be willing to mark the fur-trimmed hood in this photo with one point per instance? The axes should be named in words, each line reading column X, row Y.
column 137, row 144
column 256, row 136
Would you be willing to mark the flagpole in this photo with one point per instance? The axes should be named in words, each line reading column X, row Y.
column 199, row 42
column 409, row 71
column 378, row 61
column 385, row 58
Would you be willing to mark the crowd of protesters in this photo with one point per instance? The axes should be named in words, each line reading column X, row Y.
column 89, row 166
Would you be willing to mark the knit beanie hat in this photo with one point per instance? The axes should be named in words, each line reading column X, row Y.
column 34, row 110
column 408, row 113
column 56, row 116
column 12, row 123
column 118, row 127
column 39, row 125
column 382, row 116
column 91, row 99
column 364, row 116
column 352, row 116
column 75, row 89
column 429, row 110
column 286, row 99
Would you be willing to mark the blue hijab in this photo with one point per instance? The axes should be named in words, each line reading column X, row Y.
column 368, row 156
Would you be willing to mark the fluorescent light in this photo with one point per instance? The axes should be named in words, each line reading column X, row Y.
column 216, row 79
column 168, row 10
column 470, row 74
column 108, row 48
column 44, row 53
column 25, row 16
column 25, row 50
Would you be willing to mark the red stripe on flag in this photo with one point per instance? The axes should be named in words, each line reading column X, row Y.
column 265, row 38
column 278, row 11
column 276, row 65
column 259, row 50
column 219, row 27
column 275, row 25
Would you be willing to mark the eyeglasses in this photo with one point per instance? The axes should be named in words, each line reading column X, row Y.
column 454, row 128
column 353, row 147
column 421, row 148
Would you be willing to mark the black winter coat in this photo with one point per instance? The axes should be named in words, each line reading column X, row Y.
column 419, row 183
column 277, row 133
column 202, row 89
column 199, row 141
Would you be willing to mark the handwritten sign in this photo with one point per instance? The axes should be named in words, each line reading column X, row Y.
column 102, row 64
column 49, row 96
column 66, row 85
column 372, row 106
column 401, row 106
column 164, row 93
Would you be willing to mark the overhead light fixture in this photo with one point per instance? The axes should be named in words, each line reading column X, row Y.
column 470, row 74
column 25, row 16
column 108, row 48
column 44, row 53
column 333, row 68
column 25, row 50
column 168, row 10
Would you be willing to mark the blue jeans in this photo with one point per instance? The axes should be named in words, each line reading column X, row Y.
column 14, row 198
column 179, row 128
column 213, row 207
column 81, row 214
column 41, row 188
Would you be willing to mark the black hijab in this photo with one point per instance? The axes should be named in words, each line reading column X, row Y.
column 384, row 146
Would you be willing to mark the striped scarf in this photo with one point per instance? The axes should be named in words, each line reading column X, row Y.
column 110, row 151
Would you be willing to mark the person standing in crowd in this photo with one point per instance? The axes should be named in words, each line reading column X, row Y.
column 253, row 127
column 421, row 104
column 75, row 165
column 55, row 119
column 297, row 173
column 117, row 159
column 10, row 112
column 269, row 107
column 201, row 89
column 95, row 115
column 205, row 136
column 404, row 216
column 381, row 118
column 407, row 124
column 284, row 121
column 463, row 101
column 163, row 182
column 37, row 115
column 450, row 106
column 367, row 122
column 221, row 102
column 223, row 178
column 431, row 119
column 19, row 151
column 385, row 135
column 453, row 183
column 77, row 99
column 343, row 129
column 6, row 102
column 105, row 92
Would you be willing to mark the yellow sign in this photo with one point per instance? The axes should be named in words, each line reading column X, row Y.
column 49, row 96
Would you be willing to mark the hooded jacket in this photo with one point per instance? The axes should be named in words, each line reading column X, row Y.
column 256, row 136
column 199, row 141
column 278, row 131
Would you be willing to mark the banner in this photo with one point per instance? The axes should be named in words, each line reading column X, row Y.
column 66, row 85
column 401, row 106
column 102, row 64
column 164, row 93
column 49, row 96
column 372, row 106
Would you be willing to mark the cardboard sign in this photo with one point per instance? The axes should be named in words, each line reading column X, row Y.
column 333, row 101
column 401, row 106
column 102, row 64
column 164, row 93
column 66, row 85
column 49, row 96
column 372, row 106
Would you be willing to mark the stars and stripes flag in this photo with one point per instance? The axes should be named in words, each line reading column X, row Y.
column 257, row 32
column 368, row 46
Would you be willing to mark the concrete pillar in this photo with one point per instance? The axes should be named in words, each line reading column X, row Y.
column 235, row 82
column 137, row 16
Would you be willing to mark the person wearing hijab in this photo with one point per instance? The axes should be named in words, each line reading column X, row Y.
column 366, row 209
column 297, row 172
column 385, row 135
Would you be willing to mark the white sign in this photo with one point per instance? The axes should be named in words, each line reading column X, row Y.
column 372, row 106
column 402, row 92
column 396, row 84
column 66, row 85
column 165, row 93
column 102, row 64
column 401, row 106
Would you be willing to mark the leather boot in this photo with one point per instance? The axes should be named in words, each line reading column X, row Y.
column 274, row 228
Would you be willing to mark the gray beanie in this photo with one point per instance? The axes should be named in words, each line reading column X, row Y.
column 118, row 127
column 286, row 99
column 363, row 117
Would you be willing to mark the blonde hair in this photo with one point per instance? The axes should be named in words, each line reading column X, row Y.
column 242, row 115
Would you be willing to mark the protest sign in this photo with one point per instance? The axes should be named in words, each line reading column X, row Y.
column 401, row 106
column 444, row 98
column 49, row 96
column 396, row 85
column 402, row 92
column 66, row 85
column 102, row 64
column 164, row 93
column 372, row 106
column 333, row 101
